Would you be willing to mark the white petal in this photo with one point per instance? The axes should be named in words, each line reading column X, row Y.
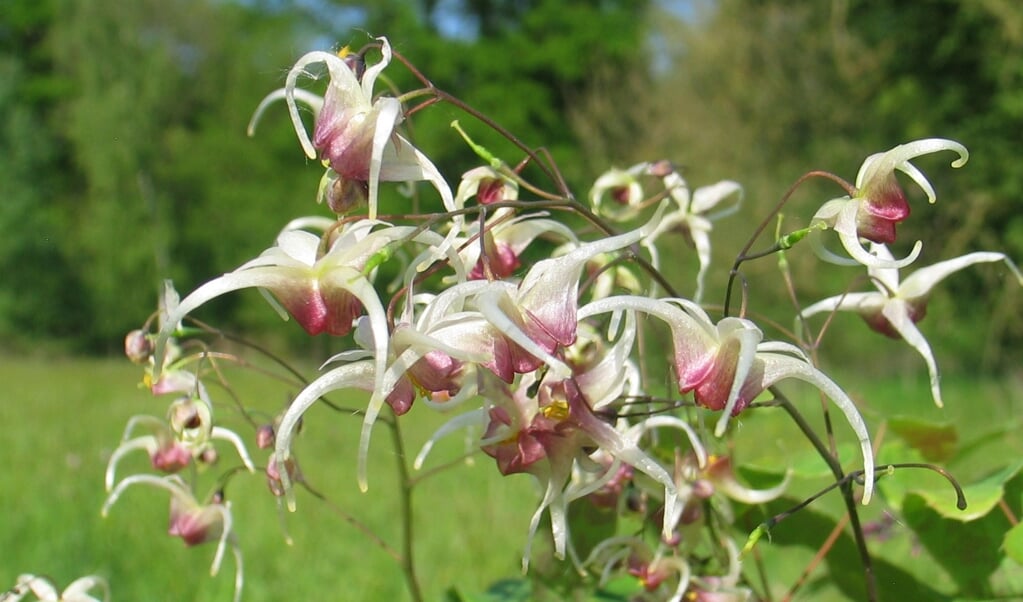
column 897, row 313
column 920, row 282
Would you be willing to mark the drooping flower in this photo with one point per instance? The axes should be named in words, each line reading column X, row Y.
column 45, row 591
column 488, row 185
column 175, row 443
column 193, row 522
column 354, row 132
column 895, row 308
column 546, row 434
column 617, row 193
column 323, row 291
column 879, row 203
column 692, row 218
column 727, row 365
column 505, row 242
column 654, row 569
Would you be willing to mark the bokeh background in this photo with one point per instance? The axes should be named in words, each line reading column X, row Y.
column 125, row 159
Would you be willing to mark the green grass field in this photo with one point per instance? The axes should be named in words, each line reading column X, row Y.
column 63, row 418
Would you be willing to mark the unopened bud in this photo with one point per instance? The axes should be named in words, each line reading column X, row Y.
column 209, row 456
column 343, row 194
column 138, row 347
column 265, row 436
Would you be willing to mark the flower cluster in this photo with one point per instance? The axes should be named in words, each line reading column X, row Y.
column 546, row 362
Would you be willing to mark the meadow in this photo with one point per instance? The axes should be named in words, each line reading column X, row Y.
column 64, row 417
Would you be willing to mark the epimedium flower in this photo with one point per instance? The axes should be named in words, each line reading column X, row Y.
column 321, row 281
column 654, row 569
column 195, row 523
column 693, row 217
column 618, row 193
column 488, row 185
column 713, row 478
column 546, row 434
column 175, row 443
column 727, row 365
column 503, row 241
column 354, row 133
column 45, row 591
column 878, row 203
column 567, row 434
column 895, row 308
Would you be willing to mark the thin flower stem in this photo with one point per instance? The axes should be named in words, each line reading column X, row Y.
column 426, row 474
column 841, row 480
column 405, row 483
column 351, row 520
column 744, row 253
column 817, row 558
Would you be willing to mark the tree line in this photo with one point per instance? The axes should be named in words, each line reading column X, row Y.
column 126, row 161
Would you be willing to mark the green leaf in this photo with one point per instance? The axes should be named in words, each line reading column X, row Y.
column 505, row 590
column 936, row 442
column 1013, row 543
column 981, row 496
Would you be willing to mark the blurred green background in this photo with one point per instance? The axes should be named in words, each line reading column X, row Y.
column 125, row 159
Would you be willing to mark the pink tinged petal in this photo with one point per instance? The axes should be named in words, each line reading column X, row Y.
column 522, row 342
column 490, row 191
column 778, row 366
column 436, row 371
column 502, row 258
column 878, row 321
column 549, row 294
column 171, row 458
column 735, row 360
column 876, row 228
column 877, row 167
column 194, row 524
column 694, row 338
column 897, row 313
column 847, row 227
column 343, row 82
column 401, row 397
column 518, row 453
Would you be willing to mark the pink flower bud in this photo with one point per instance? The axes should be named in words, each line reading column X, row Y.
column 138, row 347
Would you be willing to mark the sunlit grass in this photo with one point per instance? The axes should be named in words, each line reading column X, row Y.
column 64, row 418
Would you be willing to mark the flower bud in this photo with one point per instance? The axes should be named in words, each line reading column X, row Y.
column 273, row 475
column 265, row 436
column 138, row 347
column 194, row 524
column 170, row 458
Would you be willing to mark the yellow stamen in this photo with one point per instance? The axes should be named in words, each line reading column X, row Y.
column 558, row 410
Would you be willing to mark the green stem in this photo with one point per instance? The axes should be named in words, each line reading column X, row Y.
column 846, row 487
column 405, row 482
